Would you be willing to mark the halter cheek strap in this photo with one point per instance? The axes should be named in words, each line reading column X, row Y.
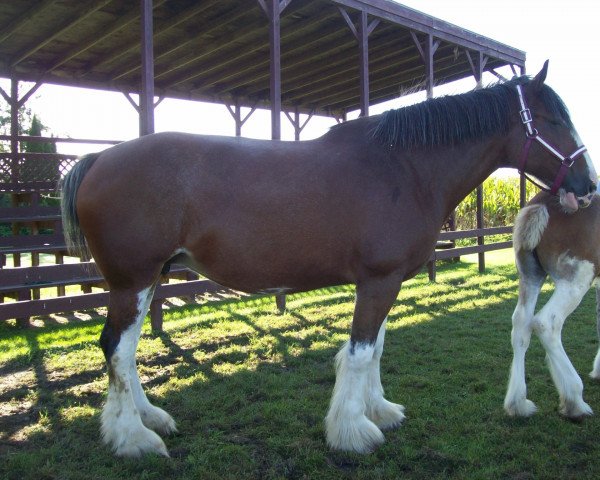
column 533, row 135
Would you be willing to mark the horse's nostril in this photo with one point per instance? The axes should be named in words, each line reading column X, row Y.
column 592, row 188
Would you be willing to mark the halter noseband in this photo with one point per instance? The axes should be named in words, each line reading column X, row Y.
column 532, row 134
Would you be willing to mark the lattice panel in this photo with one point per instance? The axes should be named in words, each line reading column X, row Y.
column 36, row 168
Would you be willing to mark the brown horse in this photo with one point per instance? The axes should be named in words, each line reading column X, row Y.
column 550, row 241
column 361, row 205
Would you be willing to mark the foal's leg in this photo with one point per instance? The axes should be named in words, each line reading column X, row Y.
column 548, row 325
column 531, row 278
column 122, row 425
column 595, row 373
column 358, row 388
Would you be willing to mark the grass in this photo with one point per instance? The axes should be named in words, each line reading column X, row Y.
column 249, row 389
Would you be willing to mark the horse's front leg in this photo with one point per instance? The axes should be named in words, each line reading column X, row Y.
column 531, row 280
column 358, row 409
column 548, row 325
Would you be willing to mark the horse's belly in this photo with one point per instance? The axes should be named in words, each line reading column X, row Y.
column 254, row 270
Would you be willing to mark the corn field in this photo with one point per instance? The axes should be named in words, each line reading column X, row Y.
column 500, row 203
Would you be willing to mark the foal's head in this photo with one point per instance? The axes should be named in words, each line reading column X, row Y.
column 552, row 151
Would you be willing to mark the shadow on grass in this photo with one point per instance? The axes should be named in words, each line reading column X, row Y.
column 250, row 405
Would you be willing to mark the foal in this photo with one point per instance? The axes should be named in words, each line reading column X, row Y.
column 548, row 241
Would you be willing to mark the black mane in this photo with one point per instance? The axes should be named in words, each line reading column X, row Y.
column 455, row 119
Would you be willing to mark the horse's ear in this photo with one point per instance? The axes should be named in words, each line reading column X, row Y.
column 539, row 79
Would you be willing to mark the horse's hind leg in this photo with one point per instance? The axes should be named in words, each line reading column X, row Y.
column 531, row 278
column 548, row 325
column 127, row 413
column 358, row 390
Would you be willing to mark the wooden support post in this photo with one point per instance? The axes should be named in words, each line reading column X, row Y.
column 236, row 113
column 147, row 94
column 363, row 59
column 295, row 121
column 427, row 50
column 362, row 36
column 156, row 316
column 275, row 68
column 146, row 111
column 477, row 66
column 480, row 240
column 273, row 11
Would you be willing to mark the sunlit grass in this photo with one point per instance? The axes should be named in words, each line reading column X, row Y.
column 249, row 388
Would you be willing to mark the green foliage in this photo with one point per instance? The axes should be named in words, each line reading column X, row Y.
column 500, row 203
column 37, row 129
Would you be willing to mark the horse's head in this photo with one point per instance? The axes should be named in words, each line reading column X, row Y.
column 552, row 151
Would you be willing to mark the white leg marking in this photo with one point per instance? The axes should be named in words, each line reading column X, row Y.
column 384, row 414
column 122, row 425
column 152, row 417
column 548, row 325
column 347, row 426
column 516, row 402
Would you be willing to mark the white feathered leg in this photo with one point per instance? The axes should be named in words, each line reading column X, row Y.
column 548, row 325
column 122, row 426
column 346, row 424
column 384, row 414
column 515, row 401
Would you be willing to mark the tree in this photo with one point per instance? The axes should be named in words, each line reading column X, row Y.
column 36, row 129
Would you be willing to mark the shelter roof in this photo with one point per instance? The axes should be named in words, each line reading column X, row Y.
column 218, row 50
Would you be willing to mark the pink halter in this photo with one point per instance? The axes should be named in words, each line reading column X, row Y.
column 532, row 134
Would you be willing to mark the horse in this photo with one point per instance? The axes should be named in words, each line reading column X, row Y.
column 551, row 242
column 362, row 205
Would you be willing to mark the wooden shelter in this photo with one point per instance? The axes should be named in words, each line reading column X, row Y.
column 314, row 57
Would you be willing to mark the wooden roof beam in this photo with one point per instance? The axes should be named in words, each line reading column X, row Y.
column 161, row 29
column 97, row 37
column 8, row 30
column 213, row 26
column 299, row 48
column 80, row 16
column 288, row 31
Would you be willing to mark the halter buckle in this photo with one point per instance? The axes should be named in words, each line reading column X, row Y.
column 531, row 132
column 568, row 162
column 526, row 116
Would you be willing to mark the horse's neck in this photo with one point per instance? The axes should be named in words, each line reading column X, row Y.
column 459, row 172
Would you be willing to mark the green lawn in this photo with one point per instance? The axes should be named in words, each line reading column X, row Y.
column 249, row 389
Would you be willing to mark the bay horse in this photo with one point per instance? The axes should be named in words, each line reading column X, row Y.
column 363, row 205
column 551, row 242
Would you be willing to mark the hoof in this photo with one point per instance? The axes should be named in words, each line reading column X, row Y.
column 575, row 410
column 595, row 374
column 158, row 420
column 522, row 408
column 360, row 436
column 132, row 438
column 387, row 415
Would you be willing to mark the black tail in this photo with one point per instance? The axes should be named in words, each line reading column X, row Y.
column 69, row 186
